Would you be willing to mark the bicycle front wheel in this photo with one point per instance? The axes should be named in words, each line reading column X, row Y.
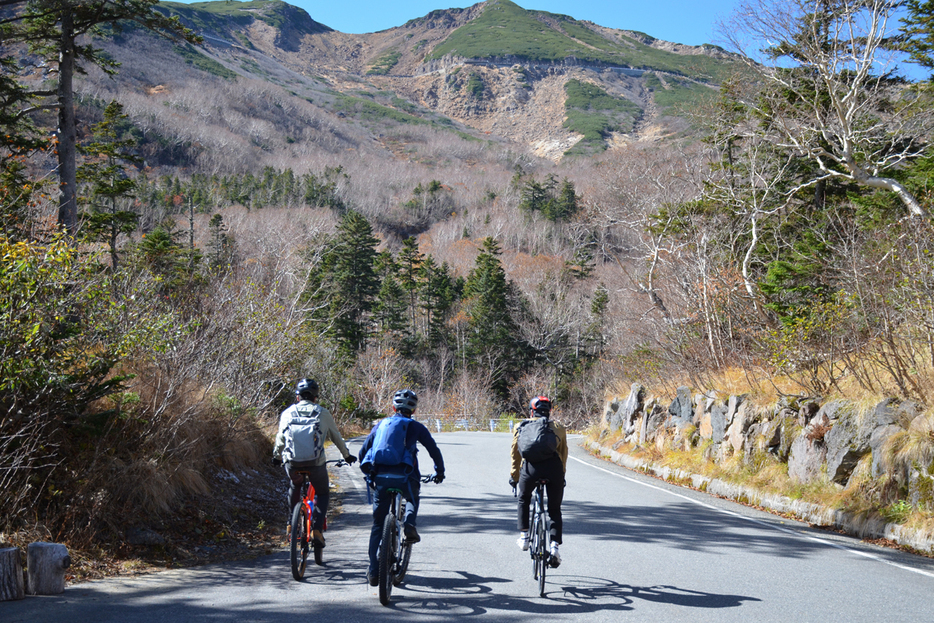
column 387, row 556
column 298, row 541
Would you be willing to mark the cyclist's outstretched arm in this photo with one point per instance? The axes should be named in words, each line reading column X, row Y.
column 428, row 442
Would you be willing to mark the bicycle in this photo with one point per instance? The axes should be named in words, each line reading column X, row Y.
column 539, row 529
column 300, row 528
column 394, row 552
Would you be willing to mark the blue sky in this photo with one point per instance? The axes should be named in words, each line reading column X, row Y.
column 682, row 21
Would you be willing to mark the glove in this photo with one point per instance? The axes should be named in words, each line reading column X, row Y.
column 512, row 482
column 276, row 461
column 351, row 459
column 439, row 478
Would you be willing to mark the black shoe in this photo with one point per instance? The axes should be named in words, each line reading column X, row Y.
column 411, row 534
column 317, row 537
column 372, row 578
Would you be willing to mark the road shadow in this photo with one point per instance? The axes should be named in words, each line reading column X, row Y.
column 682, row 526
column 467, row 594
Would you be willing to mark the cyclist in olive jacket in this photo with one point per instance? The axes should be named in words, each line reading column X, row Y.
column 525, row 474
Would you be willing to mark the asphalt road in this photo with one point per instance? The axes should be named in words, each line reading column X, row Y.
column 635, row 549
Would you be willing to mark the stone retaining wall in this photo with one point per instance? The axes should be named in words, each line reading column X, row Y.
column 819, row 442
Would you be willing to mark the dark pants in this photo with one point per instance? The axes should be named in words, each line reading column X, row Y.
column 319, row 480
column 551, row 470
column 382, row 498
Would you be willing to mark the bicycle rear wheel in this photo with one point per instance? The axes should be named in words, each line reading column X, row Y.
column 533, row 541
column 298, row 541
column 387, row 554
column 403, row 565
column 541, row 529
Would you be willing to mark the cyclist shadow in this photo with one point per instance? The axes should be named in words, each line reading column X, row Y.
column 468, row 594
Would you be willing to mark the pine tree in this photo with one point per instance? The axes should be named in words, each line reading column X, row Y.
column 438, row 294
column 409, row 268
column 52, row 29
column 109, row 184
column 344, row 287
column 19, row 138
column 493, row 340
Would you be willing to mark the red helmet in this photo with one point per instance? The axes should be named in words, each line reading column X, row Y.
column 540, row 406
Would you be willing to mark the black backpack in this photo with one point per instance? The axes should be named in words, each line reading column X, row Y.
column 536, row 440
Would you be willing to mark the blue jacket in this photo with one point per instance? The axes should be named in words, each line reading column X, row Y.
column 416, row 433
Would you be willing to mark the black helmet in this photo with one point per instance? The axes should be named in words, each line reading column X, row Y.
column 405, row 400
column 540, row 406
column 307, row 389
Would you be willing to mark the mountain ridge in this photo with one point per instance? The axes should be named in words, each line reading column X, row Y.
column 448, row 62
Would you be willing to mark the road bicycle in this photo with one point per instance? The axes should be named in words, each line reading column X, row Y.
column 539, row 529
column 300, row 529
column 394, row 549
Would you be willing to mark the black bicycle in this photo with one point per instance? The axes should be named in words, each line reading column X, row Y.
column 539, row 529
column 300, row 529
column 394, row 549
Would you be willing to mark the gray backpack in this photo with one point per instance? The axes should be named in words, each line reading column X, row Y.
column 304, row 441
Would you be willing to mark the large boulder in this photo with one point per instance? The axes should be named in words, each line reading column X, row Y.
column 762, row 437
column 846, row 443
column 806, row 459
column 856, row 434
column 653, row 420
column 732, row 406
column 745, row 417
column 628, row 411
column 682, row 406
column 718, row 413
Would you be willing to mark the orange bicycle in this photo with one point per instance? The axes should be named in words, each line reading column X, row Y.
column 300, row 529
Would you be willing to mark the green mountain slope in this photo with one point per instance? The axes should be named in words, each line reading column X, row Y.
column 506, row 30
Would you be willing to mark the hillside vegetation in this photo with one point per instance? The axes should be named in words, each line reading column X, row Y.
column 478, row 231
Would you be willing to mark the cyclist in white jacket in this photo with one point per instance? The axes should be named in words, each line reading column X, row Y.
column 306, row 397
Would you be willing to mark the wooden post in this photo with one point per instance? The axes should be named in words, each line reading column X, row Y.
column 11, row 574
column 45, row 568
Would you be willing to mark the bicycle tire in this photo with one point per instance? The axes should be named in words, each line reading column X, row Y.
column 534, row 536
column 542, row 560
column 298, row 541
column 403, row 565
column 387, row 554
column 533, row 540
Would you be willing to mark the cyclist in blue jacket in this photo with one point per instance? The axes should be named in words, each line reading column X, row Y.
column 390, row 450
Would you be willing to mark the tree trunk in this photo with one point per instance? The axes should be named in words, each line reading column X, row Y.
column 45, row 568
column 67, row 129
column 11, row 574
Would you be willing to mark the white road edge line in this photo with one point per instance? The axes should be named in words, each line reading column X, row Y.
column 757, row 521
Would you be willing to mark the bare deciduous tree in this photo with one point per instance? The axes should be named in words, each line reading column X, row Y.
column 827, row 93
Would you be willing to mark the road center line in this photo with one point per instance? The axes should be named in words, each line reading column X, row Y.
column 758, row 521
